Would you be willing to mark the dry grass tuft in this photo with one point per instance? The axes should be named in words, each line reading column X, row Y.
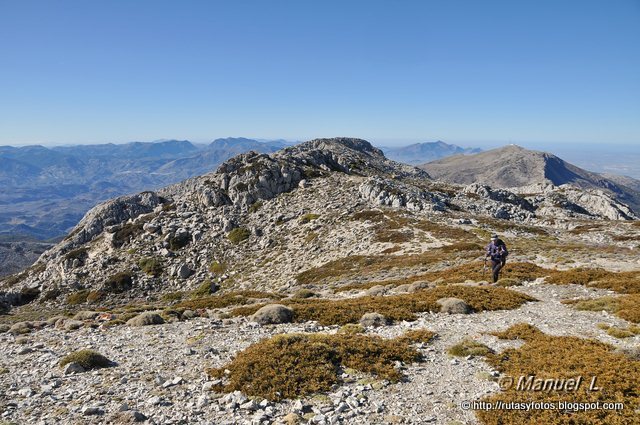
column 119, row 282
column 622, row 282
column 469, row 347
column 414, row 336
column 77, row 297
column 151, row 266
column 88, row 359
column 226, row 300
column 620, row 332
column 307, row 218
column 295, row 365
column 238, row 235
column 625, row 306
column 552, row 357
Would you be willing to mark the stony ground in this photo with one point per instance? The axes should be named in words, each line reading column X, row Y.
column 160, row 369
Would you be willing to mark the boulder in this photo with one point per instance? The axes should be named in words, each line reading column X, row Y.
column 72, row 324
column 273, row 314
column 183, row 271
column 453, row 306
column 86, row 315
column 418, row 286
column 146, row 318
column 376, row 291
column 72, row 368
column 374, row 320
column 20, row 328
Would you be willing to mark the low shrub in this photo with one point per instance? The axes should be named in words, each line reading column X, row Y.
column 151, row 266
column 624, row 306
column 295, row 365
column 204, row 289
column 217, row 268
column 620, row 332
column 145, row 319
column 305, row 293
column 255, row 206
column 76, row 254
column 562, row 357
column 417, row 336
column 238, row 235
column 622, row 282
column 307, row 218
column 469, row 347
column 474, row 271
column 173, row 296
column 88, row 359
column 77, row 297
column 226, row 300
column 351, row 329
column 126, row 233
column 119, row 282
column 506, row 282
column 95, row 296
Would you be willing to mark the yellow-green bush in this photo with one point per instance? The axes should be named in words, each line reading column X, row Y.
column 624, row 306
column 88, row 359
column 295, row 365
column 469, row 347
column 553, row 357
column 151, row 266
column 238, row 235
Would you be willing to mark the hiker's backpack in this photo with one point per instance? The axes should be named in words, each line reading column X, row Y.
column 498, row 249
column 500, row 244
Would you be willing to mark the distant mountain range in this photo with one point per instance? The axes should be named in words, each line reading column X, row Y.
column 45, row 191
column 419, row 153
column 513, row 166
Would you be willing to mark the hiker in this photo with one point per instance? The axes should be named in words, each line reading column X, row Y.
column 497, row 251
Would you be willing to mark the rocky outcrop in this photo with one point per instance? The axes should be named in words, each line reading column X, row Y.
column 387, row 192
column 107, row 214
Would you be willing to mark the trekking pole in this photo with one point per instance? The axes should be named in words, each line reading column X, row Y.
column 484, row 268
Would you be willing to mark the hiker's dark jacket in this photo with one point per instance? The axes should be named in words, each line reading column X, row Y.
column 497, row 250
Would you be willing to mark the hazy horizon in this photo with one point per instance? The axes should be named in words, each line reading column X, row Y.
column 386, row 142
column 621, row 159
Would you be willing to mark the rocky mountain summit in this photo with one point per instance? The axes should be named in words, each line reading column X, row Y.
column 322, row 284
column 515, row 167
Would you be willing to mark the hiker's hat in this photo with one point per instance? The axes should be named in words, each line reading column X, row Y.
column 494, row 237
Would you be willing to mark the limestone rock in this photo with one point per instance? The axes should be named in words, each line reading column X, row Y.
column 374, row 320
column 145, row 319
column 453, row 306
column 273, row 314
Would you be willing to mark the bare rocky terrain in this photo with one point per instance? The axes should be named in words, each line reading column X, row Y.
column 166, row 286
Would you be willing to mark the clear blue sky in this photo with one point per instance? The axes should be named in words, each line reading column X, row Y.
column 468, row 72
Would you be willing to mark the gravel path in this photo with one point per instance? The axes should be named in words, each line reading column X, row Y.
column 160, row 370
